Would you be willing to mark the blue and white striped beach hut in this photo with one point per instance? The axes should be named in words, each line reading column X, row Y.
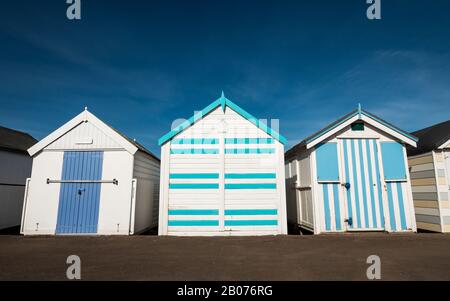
column 222, row 173
column 351, row 176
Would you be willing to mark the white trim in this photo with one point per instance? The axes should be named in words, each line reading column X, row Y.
column 132, row 205
column 386, row 213
column 84, row 116
column 164, row 190
column 342, row 190
column 389, row 131
column 368, row 120
column 24, row 206
column 281, row 182
column 317, row 222
column 445, row 145
column 436, row 177
column 221, row 190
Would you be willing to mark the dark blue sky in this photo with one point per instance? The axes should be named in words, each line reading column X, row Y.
column 138, row 65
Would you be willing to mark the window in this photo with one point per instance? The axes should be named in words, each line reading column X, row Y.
column 327, row 162
column 357, row 126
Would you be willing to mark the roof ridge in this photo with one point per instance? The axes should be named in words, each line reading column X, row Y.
column 223, row 102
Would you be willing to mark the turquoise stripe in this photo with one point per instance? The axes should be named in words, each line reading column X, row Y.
column 391, row 207
column 401, row 205
column 363, row 183
column 251, row 186
column 249, row 140
column 355, row 184
column 251, row 223
column 380, row 196
column 191, row 223
column 194, row 186
column 196, row 151
column 193, row 212
column 195, row 141
column 194, row 176
column 337, row 207
column 251, row 212
column 249, row 150
column 327, row 207
column 250, row 176
column 372, row 195
column 347, row 177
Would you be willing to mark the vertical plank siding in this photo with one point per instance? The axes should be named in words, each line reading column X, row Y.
column 79, row 202
column 351, row 181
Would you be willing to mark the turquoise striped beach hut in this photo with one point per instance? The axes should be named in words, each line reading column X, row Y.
column 222, row 173
column 351, row 176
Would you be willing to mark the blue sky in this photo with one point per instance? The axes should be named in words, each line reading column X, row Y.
column 138, row 65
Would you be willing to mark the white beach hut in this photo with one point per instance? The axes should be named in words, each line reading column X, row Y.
column 222, row 173
column 87, row 178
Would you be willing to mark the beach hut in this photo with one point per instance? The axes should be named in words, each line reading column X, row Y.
column 351, row 176
column 222, row 173
column 87, row 178
column 15, row 168
column 429, row 165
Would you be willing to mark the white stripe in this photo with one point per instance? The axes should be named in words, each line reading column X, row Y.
column 352, row 187
column 193, row 181
column 239, row 181
column 360, row 194
column 194, row 146
column 251, row 217
column 322, row 208
column 406, row 205
column 368, row 185
column 375, row 184
column 331, row 206
column 192, row 217
column 396, row 208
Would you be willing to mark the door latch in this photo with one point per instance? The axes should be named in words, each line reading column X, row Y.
column 349, row 221
column 346, row 185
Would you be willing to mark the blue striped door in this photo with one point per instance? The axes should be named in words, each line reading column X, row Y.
column 79, row 202
column 363, row 186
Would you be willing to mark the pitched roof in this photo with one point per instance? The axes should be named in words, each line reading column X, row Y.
column 431, row 138
column 129, row 144
column 223, row 102
column 14, row 140
column 358, row 114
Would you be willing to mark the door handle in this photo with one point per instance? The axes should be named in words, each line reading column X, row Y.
column 346, row 185
column 80, row 191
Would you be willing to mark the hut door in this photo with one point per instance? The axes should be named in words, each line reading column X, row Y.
column 362, row 184
column 251, row 195
column 80, row 192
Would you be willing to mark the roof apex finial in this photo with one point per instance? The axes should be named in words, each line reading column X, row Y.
column 85, row 108
column 223, row 101
column 359, row 110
